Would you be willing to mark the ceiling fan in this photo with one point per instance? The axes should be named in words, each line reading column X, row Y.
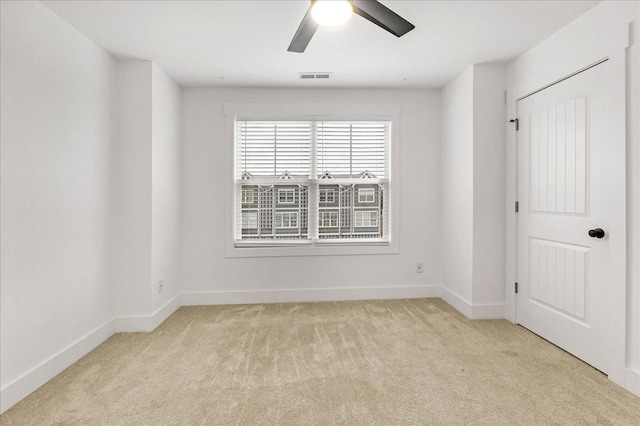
column 334, row 13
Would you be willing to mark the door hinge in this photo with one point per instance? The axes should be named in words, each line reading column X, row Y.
column 517, row 207
column 515, row 120
column 516, row 288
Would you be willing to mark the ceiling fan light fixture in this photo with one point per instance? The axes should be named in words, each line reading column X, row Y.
column 331, row 13
column 337, row 12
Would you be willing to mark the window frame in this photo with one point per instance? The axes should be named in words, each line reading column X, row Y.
column 313, row 112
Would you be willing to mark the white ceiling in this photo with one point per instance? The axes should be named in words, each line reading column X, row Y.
column 244, row 43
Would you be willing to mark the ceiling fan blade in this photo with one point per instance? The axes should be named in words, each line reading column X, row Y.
column 303, row 35
column 382, row 16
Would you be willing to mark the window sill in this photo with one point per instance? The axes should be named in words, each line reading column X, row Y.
column 268, row 244
column 310, row 248
column 354, row 243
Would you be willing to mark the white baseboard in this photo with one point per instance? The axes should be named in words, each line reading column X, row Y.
column 147, row 323
column 632, row 381
column 32, row 380
column 239, row 297
column 48, row 369
column 471, row 311
column 457, row 302
column 308, row 295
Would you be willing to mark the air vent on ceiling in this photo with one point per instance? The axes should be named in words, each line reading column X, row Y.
column 315, row 75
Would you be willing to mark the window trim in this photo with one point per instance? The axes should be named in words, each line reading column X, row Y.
column 316, row 112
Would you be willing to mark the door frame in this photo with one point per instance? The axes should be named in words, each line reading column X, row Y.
column 612, row 48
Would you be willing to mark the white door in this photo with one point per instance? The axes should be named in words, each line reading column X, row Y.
column 564, row 192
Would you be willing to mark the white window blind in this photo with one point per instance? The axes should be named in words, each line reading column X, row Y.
column 267, row 149
column 322, row 181
column 348, row 149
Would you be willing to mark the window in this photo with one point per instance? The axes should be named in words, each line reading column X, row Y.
column 328, row 219
column 248, row 196
column 327, row 195
column 283, row 165
column 366, row 195
column 366, row 219
column 286, row 196
column 249, row 220
column 287, row 220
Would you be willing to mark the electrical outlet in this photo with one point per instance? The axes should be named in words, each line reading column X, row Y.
column 419, row 268
column 160, row 286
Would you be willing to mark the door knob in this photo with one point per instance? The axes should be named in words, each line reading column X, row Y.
column 596, row 233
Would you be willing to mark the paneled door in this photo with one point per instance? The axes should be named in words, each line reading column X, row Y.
column 564, row 195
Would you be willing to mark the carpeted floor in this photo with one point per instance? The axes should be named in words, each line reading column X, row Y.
column 376, row 363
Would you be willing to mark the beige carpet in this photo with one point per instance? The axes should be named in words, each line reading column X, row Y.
column 376, row 363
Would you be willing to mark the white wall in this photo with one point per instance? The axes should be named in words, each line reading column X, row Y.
column 472, row 190
column 165, row 172
column 489, row 85
column 132, row 209
column 602, row 19
column 57, row 100
column 204, row 267
column 90, row 196
column 147, row 218
column 456, row 185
